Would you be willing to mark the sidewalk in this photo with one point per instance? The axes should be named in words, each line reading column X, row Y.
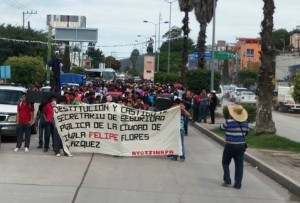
column 283, row 167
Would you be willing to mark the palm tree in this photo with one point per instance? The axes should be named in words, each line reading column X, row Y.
column 264, row 121
column 185, row 6
column 204, row 14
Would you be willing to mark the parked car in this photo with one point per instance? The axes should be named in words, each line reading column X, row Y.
column 9, row 97
column 246, row 97
column 233, row 94
column 220, row 95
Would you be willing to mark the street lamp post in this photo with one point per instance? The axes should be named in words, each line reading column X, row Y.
column 212, row 71
column 169, row 43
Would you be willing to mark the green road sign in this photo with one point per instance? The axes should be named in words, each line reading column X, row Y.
column 225, row 55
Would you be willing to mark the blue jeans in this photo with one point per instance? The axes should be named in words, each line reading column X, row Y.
column 42, row 129
column 48, row 132
column 235, row 152
column 202, row 112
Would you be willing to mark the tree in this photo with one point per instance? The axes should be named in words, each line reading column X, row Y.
column 134, row 57
column 296, row 93
column 175, row 32
column 66, row 59
column 27, row 47
column 113, row 63
column 281, row 38
column 175, row 54
column 200, row 79
column 247, row 77
column 204, row 14
column 78, row 70
column 27, row 70
column 185, row 6
column 264, row 121
column 95, row 55
column 225, row 73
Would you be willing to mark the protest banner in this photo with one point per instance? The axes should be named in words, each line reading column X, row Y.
column 116, row 129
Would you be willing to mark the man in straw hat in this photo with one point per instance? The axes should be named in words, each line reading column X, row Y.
column 236, row 128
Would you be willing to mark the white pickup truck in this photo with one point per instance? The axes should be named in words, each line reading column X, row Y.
column 9, row 97
column 285, row 101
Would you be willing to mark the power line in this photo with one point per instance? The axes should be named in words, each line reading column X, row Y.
column 19, row 4
column 13, row 4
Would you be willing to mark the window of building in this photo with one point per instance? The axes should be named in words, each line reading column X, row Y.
column 250, row 53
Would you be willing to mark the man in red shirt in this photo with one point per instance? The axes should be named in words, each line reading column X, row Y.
column 25, row 111
column 49, row 119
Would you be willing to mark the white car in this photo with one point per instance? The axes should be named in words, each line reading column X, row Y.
column 220, row 95
column 233, row 95
column 246, row 97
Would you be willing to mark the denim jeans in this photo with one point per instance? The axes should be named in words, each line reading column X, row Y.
column 235, row 152
column 57, row 144
column 42, row 129
column 202, row 112
column 48, row 132
column 21, row 129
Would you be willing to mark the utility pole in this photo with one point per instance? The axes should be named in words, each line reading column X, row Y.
column 158, row 42
column 29, row 13
column 212, row 64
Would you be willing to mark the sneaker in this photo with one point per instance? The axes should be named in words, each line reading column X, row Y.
column 173, row 158
column 16, row 149
column 236, row 187
column 40, row 146
column 26, row 149
column 226, row 184
column 58, row 155
column 69, row 155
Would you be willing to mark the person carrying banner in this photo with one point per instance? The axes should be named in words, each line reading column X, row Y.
column 183, row 114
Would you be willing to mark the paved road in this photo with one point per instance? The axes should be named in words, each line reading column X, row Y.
column 86, row 178
column 287, row 124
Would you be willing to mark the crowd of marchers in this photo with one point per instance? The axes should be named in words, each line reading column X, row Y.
column 144, row 96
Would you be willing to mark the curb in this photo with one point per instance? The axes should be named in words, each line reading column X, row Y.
column 266, row 169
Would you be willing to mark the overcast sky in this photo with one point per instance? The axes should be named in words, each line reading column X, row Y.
column 120, row 21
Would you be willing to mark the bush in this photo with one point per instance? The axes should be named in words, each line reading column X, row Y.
column 251, row 109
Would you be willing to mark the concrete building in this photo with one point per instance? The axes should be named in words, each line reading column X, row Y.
column 286, row 65
column 248, row 52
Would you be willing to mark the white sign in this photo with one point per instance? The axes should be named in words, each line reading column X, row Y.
column 118, row 130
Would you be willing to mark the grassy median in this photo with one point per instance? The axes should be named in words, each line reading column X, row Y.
column 265, row 141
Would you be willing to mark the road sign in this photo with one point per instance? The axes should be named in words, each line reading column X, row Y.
column 5, row 72
column 225, row 55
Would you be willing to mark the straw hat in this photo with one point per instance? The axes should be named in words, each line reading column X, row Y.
column 237, row 112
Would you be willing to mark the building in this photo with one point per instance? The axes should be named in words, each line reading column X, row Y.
column 248, row 52
column 295, row 41
column 286, row 65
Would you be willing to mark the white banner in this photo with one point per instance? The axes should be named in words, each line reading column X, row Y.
column 118, row 130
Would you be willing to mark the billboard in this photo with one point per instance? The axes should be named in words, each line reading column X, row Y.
column 66, row 21
column 149, row 67
column 76, row 34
